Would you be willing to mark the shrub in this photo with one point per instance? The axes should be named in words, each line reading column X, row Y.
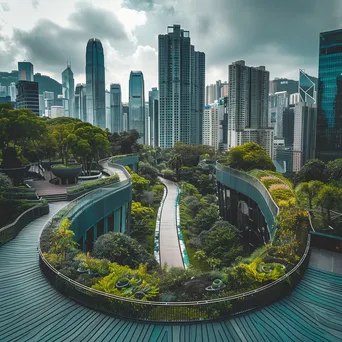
column 91, row 185
column 281, row 195
column 122, row 249
column 274, row 187
column 5, row 181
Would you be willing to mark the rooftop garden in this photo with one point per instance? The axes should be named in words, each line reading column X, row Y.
column 91, row 185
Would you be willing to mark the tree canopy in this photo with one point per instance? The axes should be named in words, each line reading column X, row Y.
column 250, row 156
column 312, row 170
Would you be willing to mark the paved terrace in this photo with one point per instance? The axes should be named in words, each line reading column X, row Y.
column 170, row 252
column 31, row 310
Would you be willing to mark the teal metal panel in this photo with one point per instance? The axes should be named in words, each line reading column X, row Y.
column 117, row 226
column 130, row 161
column 123, row 218
column 252, row 188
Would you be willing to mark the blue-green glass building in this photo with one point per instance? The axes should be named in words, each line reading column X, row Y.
column 329, row 120
column 95, row 80
column 137, row 104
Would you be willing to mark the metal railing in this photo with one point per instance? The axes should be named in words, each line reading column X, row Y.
column 155, row 311
column 10, row 231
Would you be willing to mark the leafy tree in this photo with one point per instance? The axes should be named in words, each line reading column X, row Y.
column 327, row 198
column 176, row 164
column 250, row 156
column 307, row 191
column 222, row 242
column 333, row 171
column 191, row 153
column 139, row 185
column 147, row 171
column 122, row 249
column 148, row 197
column 312, row 170
column 194, row 204
column 124, row 143
column 5, row 181
column 141, row 218
column 205, row 219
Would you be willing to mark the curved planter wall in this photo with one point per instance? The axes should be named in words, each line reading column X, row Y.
column 131, row 161
column 180, row 312
column 252, row 188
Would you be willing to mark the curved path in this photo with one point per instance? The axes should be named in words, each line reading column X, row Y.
column 31, row 310
column 170, row 252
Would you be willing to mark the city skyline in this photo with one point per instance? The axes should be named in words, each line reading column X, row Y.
column 129, row 33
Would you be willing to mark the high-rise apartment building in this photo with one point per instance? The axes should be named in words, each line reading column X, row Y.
column 25, row 71
column 307, row 88
column 28, row 96
column 329, row 117
column 147, row 124
column 153, row 107
column 68, row 91
column 125, row 116
column 224, row 89
column 248, row 106
column 81, row 102
column 3, row 91
column 294, row 98
column 137, row 104
column 211, row 126
column 107, row 104
column 210, row 94
column 57, row 112
column 95, row 80
column 223, row 123
column 181, row 88
column 116, row 108
column 305, row 121
column 278, row 102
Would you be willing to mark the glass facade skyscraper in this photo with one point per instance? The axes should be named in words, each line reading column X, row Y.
column 81, row 102
column 68, row 89
column 329, row 119
column 181, row 89
column 137, row 104
column 307, row 88
column 115, row 108
column 153, row 106
column 95, row 80
column 28, row 96
column 25, row 71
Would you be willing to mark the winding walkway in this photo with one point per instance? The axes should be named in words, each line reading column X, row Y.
column 170, row 252
column 31, row 310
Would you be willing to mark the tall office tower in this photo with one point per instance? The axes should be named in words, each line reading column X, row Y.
column 211, row 126
column 248, row 106
column 224, row 89
column 81, row 102
column 107, row 105
column 3, row 91
column 329, row 119
column 218, row 90
column 25, row 71
column 294, row 98
column 116, row 108
column 283, row 84
column 12, row 91
column 147, row 124
column 95, row 80
column 307, row 88
column 137, row 104
column 223, row 123
column 125, row 116
column 28, row 96
column 153, row 107
column 277, row 103
column 181, row 88
column 305, row 122
column 57, row 112
column 210, row 94
column 68, row 89
column 288, row 125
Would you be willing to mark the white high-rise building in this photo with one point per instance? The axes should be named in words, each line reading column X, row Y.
column 210, row 97
column 211, row 125
column 294, row 98
column 3, row 91
column 57, row 112
column 12, row 91
column 248, row 106
column 68, row 88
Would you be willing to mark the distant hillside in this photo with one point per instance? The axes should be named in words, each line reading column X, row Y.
column 46, row 83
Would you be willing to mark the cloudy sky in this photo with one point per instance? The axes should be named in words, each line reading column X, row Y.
column 282, row 35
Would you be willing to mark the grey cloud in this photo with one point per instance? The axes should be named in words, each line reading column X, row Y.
column 35, row 4
column 140, row 5
column 49, row 45
column 227, row 30
column 4, row 6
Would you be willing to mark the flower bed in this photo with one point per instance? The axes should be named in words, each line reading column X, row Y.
column 91, row 185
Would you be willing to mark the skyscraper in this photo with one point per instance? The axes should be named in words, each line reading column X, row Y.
column 307, row 88
column 210, row 94
column 95, row 80
column 278, row 102
column 153, row 107
column 81, row 102
column 137, row 104
column 283, row 84
column 116, row 108
column 248, row 106
column 68, row 90
column 107, row 104
column 181, row 88
column 125, row 116
column 12, row 91
column 25, row 71
column 329, row 120
column 28, row 96
column 211, row 126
